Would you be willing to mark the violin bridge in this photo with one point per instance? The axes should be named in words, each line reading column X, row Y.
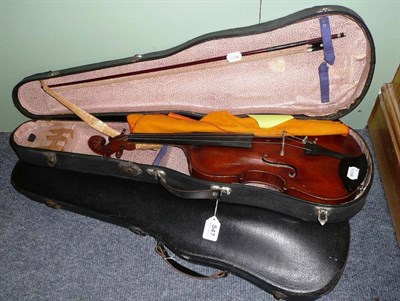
column 282, row 153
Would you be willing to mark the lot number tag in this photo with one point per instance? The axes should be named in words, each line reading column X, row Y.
column 211, row 229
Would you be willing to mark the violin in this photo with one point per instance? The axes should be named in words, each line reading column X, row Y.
column 325, row 169
column 328, row 169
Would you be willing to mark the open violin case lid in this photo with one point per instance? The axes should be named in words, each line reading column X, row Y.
column 314, row 64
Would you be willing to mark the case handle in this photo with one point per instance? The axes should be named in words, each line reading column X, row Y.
column 213, row 193
column 160, row 249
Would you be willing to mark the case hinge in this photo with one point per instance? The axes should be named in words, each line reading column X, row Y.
column 324, row 10
column 130, row 168
column 51, row 158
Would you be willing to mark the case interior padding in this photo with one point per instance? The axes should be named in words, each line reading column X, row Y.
column 72, row 137
column 284, row 82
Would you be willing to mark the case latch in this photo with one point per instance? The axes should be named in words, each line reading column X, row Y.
column 323, row 216
column 220, row 190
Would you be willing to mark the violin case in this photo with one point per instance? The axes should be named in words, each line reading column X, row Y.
column 287, row 246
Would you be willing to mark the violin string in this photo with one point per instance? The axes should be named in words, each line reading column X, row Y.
column 287, row 144
column 185, row 141
column 244, row 144
column 211, row 138
column 295, row 139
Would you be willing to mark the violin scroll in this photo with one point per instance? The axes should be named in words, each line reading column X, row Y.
column 116, row 145
column 96, row 144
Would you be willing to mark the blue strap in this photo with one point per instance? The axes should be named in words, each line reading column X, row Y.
column 329, row 57
column 160, row 155
column 326, row 34
column 324, row 82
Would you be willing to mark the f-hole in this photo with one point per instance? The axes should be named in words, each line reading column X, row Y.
column 292, row 170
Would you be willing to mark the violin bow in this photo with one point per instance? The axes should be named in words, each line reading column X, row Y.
column 88, row 118
column 148, row 141
column 233, row 57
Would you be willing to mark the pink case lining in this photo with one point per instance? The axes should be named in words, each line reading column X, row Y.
column 287, row 84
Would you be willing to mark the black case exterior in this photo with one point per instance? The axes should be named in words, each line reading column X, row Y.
column 253, row 219
column 188, row 187
column 305, row 264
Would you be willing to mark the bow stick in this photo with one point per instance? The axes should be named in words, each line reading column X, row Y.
column 94, row 122
column 310, row 45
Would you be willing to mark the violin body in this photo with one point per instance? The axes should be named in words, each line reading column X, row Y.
column 285, row 167
column 325, row 169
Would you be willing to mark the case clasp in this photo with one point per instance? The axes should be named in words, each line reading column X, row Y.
column 323, row 216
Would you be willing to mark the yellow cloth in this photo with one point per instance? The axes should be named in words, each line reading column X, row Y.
column 268, row 121
column 223, row 121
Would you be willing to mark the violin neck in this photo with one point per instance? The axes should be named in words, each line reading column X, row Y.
column 195, row 139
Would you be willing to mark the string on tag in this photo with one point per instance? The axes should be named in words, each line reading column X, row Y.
column 212, row 226
column 216, row 207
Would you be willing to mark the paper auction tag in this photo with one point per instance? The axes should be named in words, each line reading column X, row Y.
column 352, row 173
column 234, row 57
column 211, row 229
